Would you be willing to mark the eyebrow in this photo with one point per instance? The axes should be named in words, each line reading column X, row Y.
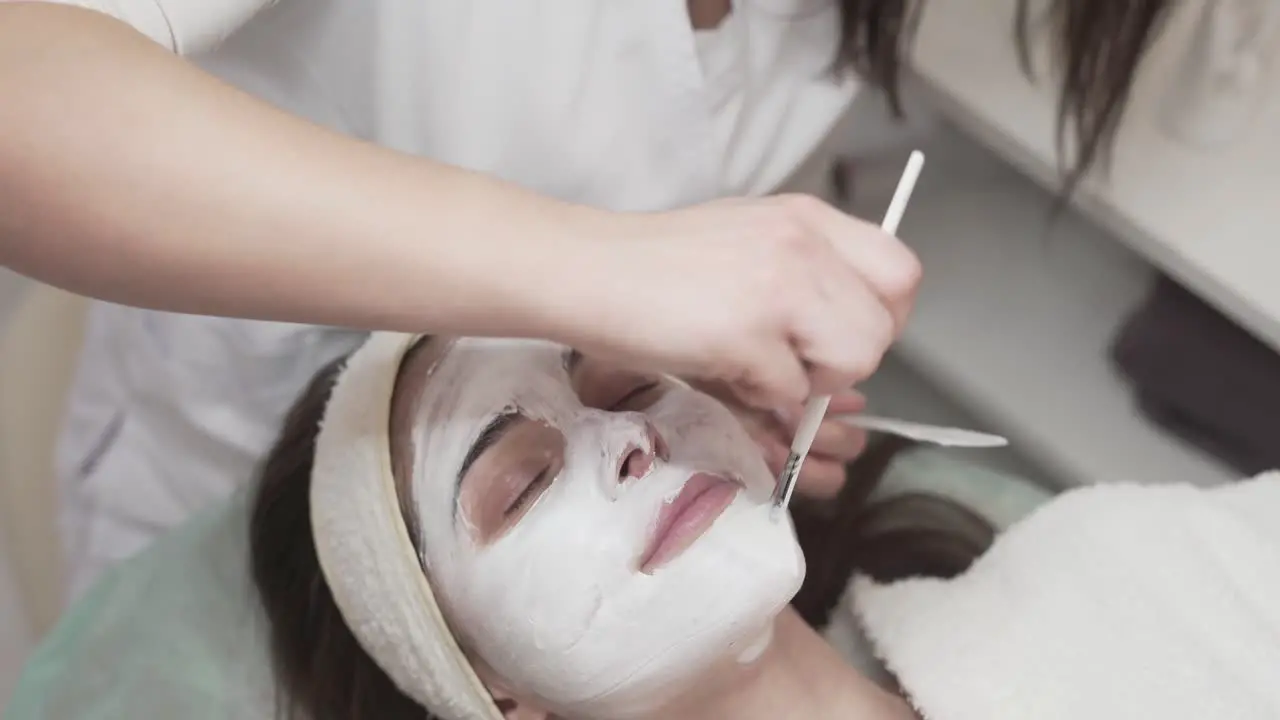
column 491, row 433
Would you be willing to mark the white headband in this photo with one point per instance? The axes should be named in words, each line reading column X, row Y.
column 364, row 548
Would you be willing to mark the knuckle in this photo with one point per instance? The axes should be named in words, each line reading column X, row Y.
column 867, row 349
column 881, row 331
column 789, row 219
column 791, row 239
column 868, row 365
column 904, row 276
column 802, row 204
column 864, row 363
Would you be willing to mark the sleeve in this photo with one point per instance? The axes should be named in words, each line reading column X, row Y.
column 185, row 27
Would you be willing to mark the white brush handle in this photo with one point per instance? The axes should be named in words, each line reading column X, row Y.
column 921, row 432
column 816, row 409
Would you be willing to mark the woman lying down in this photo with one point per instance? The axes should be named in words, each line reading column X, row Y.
column 476, row 530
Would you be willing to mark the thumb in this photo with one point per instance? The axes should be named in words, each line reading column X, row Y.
column 772, row 378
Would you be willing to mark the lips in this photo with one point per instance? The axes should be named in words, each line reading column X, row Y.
column 683, row 520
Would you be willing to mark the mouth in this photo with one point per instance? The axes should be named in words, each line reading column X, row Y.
column 683, row 520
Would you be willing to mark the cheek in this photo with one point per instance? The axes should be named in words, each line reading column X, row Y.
column 686, row 414
column 702, row 433
column 537, row 590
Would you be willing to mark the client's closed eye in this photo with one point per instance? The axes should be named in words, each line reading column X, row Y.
column 640, row 397
column 509, row 476
column 607, row 386
column 530, row 493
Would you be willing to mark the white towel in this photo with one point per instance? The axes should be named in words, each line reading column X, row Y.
column 1111, row 602
column 365, row 550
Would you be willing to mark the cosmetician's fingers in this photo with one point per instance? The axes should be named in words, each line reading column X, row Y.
column 772, row 445
column 775, row 375
column 842, row 330
column 835, row 440
column 835, row 444
column 763, row 301
column 890, row 268
column 807, row 312
column 820, row 478
column 838, row 441
column 845, row 402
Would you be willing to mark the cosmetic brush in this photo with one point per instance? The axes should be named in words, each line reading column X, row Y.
column 816, row 409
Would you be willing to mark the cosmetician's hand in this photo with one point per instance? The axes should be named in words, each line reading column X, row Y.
column 780, row 298
column 837, row 443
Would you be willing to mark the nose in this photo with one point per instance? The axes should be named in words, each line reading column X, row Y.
column 638, row 461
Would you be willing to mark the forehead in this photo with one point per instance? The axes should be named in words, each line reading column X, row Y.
column 483, row 355
column 475, row 373
column 476, row 379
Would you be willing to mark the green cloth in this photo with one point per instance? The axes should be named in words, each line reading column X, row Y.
column 1000, row 497
column 175, row 632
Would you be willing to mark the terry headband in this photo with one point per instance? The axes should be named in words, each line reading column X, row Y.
column 364, row 548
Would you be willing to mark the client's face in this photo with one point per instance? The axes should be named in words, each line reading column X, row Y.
column 598, row 538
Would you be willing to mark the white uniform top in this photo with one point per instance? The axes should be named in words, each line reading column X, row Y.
column 618, row 104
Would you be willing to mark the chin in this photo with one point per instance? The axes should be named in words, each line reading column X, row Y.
column 713, row 605
column 749, row 531
column 741, row 574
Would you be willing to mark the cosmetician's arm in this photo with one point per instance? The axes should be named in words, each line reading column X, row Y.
column 130, row 175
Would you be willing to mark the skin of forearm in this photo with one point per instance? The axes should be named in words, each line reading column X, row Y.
column 129, row 175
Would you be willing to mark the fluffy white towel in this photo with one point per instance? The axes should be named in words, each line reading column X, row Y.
column 1115, row 601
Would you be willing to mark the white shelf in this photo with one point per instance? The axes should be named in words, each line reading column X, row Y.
column 1205, row 217
column 1016, row 316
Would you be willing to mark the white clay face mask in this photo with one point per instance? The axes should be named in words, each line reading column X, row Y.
column 557, row 605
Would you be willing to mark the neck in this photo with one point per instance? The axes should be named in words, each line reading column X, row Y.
column 798, row 676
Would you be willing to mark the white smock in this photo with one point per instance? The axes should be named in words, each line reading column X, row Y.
column 617, row 104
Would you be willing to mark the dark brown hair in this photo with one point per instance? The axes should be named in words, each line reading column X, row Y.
column 322, row 672
column 1098, row 46
column 907, row 535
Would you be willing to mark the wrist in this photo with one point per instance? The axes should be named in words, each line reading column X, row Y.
column 490, row 258
column 564, row 283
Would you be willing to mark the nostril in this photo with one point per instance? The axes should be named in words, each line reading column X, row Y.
column 635, row 464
